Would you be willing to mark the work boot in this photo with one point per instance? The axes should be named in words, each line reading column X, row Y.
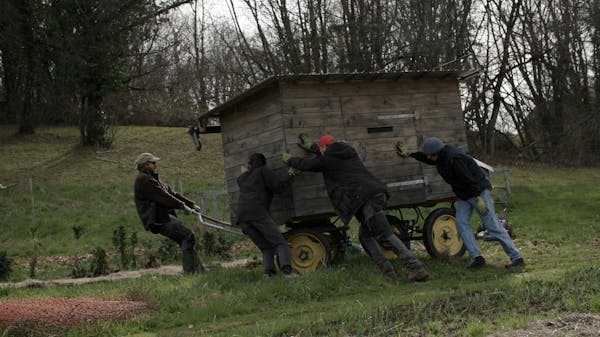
column 515, row 263
column 189, row 263
column 198, row 264
column 288, row 272
column 290, row 275
column 417, row 275
column 269, row 274
column 478, row 262
column 388, row 270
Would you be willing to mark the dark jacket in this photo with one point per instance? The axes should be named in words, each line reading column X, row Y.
column 155, row 201
column 459, row 170
column 256, row 193
column 347, row 181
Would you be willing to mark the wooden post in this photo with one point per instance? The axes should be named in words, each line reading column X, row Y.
column 33, row 232
column 179, row 183
column 32, row 202
column 215, row 209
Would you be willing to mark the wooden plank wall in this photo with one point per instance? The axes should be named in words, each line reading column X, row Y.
column 440, row 116
column 314, row 116
column 355, row 110
column 255, row 126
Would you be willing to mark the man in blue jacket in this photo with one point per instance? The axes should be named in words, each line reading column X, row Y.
column 472, row 188
column 354, row 191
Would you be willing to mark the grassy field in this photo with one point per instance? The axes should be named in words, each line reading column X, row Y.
column 554, row 211
column 75, row 186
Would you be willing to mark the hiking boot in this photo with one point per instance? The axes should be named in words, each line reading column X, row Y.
column 417, row 275
column 288, row 272
column 290, row 275
column 388, row 270
column 478, row 262
column 515, row 263
column 269, row 274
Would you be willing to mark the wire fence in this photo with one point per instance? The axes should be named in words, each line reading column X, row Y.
column 215, row 203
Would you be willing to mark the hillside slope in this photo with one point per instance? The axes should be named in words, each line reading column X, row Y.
column 75, row 186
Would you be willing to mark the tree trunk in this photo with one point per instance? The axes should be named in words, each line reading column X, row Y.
column 26, row 126
column 93, row 126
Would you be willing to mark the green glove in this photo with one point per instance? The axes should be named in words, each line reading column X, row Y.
column 305, row 142
column 286, row 157
column 402, row 150
column 481, row 206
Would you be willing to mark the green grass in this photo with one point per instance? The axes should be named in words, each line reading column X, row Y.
column 75, row 186
column 554, row 212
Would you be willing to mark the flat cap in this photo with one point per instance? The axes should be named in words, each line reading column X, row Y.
column 144, row 158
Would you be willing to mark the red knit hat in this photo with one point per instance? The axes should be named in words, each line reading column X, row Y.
column 326, row 140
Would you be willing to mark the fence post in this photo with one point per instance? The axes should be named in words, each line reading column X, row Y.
column 215, row 209
column 32, row 202
column 33, row 234
column 179, row 183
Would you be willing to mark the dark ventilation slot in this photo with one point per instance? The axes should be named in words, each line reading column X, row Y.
column 380, row 129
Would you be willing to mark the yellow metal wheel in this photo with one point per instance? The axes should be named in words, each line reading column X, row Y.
column 441, row 237
column 310, row 250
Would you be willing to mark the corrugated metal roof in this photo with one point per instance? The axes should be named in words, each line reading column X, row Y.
column 323, row 78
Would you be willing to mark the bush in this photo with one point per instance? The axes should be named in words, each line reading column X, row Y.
column 78, row 269
column 98, row 264
column 149, row 257
column 119, row 241
column 216, row 245
column 126, row 248
column 5, row 266
column 168, row 251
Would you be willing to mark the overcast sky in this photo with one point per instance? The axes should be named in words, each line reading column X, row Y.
column 218, row 10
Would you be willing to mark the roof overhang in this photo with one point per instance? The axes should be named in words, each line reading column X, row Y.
column 341, row 77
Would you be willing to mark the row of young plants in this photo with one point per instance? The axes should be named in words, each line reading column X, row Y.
column 128, row 254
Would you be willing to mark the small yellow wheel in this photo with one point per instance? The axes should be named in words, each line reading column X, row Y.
column 441, row 237
column 310, row 250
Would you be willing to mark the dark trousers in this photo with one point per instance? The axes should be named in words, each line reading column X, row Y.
column 267, row 237
column 185, row 238
column 375, row 230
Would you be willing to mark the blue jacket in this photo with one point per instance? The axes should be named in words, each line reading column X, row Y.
column 459, row 170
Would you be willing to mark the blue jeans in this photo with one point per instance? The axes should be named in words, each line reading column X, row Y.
column 464, row 211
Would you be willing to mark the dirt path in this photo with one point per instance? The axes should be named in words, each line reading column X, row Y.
column 46, row 314
column 50, row 314
column 122, row 275
column 573, row 325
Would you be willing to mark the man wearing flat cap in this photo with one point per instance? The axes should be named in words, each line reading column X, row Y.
column 156, row 204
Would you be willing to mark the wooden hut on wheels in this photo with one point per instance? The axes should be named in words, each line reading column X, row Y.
column 371, row 111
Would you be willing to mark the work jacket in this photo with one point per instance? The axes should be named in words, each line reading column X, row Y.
column 348, row 182
column 155, row 201
column 459, row 170
column 257, row 187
